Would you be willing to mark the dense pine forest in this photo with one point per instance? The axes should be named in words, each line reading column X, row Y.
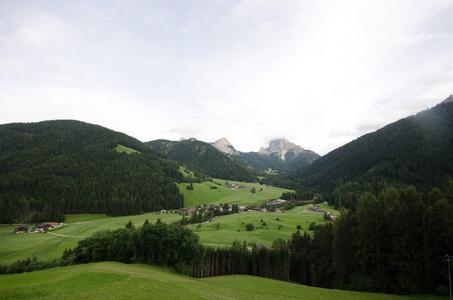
column 51, row 168
column 203, row 158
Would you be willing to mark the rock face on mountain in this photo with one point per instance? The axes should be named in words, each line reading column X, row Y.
column 224, row 146
column 282, row 147
column 281, row 155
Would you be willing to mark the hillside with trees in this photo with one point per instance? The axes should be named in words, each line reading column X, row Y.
column 416, row 150
column 51, row 168
column 203, row 158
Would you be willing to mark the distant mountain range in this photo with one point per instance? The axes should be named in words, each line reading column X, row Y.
column 281, row 155
column 51, row 168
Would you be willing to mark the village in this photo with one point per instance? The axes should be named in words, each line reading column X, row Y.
column 43, row 227
column 277, row 206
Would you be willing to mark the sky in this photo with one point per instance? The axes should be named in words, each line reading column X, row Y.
column 318, row 73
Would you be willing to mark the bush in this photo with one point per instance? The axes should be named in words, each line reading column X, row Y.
column 299, row 227
column 249, row 227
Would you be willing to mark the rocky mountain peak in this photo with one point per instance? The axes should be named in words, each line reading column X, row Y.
column 281, row 146
column 224, row 146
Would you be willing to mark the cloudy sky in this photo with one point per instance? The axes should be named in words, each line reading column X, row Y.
column 319, row 73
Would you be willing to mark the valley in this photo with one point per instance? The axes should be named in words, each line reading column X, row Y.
column 78, row 226
column 384, row 222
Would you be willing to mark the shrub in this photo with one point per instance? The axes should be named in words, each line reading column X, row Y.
column 249, row 227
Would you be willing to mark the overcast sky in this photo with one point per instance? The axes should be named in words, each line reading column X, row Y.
column 318, row 73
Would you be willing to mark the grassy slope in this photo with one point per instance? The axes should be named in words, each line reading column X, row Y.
column 202, row 193
column 121, row 148
column 111, row 280
column 229, row 225
column 48, row 247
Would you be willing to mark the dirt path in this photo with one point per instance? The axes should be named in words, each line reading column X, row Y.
column 103, row 220
column 69, row 236
column 238, row 198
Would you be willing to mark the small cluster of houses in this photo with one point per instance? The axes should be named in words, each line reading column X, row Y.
column 188, row 211
column 38, row 228
column 237, row 187
column 316, row 208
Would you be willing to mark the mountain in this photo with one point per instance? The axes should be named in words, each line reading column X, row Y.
column 281, row 155
column 417, row 150
column 282, row 147
column 203, row 158
column 224, row 146
column 51, row 168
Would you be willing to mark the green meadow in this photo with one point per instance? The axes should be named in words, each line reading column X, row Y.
column 233, row 227
column 121, row 148
column 111, row 280
column 203, row 193
column 50, row 246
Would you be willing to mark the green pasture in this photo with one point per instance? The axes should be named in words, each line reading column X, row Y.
column 111, row 280
column 50, row 246
column 121, row 149
column 232, row 227
column 203, row 194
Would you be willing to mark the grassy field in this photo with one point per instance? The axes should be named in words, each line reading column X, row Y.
column 112, row 280
column 47, row 246
column 232, row 227
column 203, row 194
column 50, row 246
column 121, row 148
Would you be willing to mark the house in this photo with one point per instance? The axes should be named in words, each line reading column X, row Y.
column 21, row 229
column 242, row 207
column 278, row 210
column 315, row 208
column 261, row 246
column 278, row 201
column 163, row 212
column 187, row 210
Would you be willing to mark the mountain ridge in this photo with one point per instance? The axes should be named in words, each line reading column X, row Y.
column 281, row 155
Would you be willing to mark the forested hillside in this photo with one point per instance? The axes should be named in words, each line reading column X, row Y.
column 56, row 167
column 204, row 158
column 417, row 150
